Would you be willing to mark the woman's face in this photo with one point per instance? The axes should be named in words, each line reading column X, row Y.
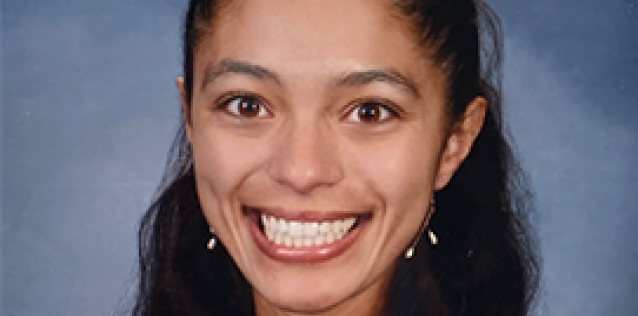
column 318, row 135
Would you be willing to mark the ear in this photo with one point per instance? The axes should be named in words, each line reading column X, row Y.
column 460, row 140
column 185, row 106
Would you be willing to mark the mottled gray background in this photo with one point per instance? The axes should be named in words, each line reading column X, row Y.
column 88, row 110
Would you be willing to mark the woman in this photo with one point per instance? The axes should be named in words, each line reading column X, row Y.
column 321, row 140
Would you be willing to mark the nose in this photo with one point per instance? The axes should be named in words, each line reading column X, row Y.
column 305, row 158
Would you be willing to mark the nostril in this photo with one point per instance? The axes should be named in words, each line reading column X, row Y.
column 304, row 178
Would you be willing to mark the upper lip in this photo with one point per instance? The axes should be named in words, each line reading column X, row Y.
column 303, row 214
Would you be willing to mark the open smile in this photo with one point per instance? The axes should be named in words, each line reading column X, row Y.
column 304, row 237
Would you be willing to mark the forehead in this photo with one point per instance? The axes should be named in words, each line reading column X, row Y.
column 272, row 32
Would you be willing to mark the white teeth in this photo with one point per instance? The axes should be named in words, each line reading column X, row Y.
column 307, row 242
column 336, row 227
column 294, row 229
column 324, row 228
column 283, row 226
column 305, row 234
column 330, row 238
column 270, row 234
column 310, row 229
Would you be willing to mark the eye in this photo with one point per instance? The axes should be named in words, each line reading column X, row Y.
column 371, row 112
column 244, row 106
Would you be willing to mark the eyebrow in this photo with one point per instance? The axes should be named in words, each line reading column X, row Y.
column 352, row 79
column 233, row 66
column 389, row 76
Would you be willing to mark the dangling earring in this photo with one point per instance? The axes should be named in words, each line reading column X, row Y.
column 212, row 241
column 433, row 240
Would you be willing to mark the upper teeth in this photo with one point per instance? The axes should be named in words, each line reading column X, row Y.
column 300, row 234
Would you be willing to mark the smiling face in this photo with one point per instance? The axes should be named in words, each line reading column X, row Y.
column 318, row 133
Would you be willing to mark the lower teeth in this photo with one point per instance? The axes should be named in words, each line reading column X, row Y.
column 288, row 241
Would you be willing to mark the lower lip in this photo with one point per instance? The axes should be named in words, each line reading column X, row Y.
column 310, row 254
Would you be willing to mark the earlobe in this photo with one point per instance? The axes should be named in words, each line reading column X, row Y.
column 184, row 105
column 460, row 141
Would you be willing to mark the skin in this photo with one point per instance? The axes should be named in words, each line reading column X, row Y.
column 307, row 151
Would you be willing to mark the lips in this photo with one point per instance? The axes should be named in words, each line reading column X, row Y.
column 304, row 237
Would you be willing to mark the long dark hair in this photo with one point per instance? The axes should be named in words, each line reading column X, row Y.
column 485, row 262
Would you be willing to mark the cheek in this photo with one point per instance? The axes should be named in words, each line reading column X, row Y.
column 221, row 163
column 402, row 170
column 406, row 189
column 401, row 173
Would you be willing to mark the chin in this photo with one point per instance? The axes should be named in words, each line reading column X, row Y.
column 306, row 298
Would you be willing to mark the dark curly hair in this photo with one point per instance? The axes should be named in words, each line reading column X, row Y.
column 486, row 261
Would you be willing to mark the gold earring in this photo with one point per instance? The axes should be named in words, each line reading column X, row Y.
column 212, row 241
column 433, row 239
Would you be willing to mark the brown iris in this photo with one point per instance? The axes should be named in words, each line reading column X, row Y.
column 249, row 106
column 369, row 112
